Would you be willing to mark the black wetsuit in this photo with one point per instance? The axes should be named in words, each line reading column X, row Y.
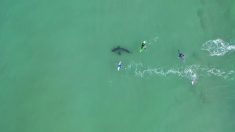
column 143, row 45
column 181, row 55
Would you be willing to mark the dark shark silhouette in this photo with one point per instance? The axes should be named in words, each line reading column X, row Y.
column 119, row 50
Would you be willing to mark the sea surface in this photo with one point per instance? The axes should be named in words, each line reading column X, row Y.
column 58, row 74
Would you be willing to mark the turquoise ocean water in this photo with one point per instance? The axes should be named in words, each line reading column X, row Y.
column 58, row 74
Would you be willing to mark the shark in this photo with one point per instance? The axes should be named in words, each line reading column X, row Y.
column 119, row 50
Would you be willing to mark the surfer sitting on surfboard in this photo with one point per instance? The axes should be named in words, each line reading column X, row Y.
column 143, row 46
column 181, row 55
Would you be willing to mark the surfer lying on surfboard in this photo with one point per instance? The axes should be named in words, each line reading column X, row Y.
column 143, row 46
column 119, row 66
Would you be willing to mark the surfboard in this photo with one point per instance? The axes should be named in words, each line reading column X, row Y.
column 141, row 50
column 193, row 82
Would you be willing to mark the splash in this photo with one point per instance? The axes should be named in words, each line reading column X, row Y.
column 151, row 41
column 190, row 72
column 218, row 47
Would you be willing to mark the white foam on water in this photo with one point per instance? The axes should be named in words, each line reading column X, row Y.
column 231, row 47
column 190, row 72
column 151, row 41
column 218, row 47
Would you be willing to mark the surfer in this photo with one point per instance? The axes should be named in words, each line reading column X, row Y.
column 143, row 46
column 119, row 66
column 181, row 55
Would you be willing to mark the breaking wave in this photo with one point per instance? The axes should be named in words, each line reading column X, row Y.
column 191, row 72
column 218, row 47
